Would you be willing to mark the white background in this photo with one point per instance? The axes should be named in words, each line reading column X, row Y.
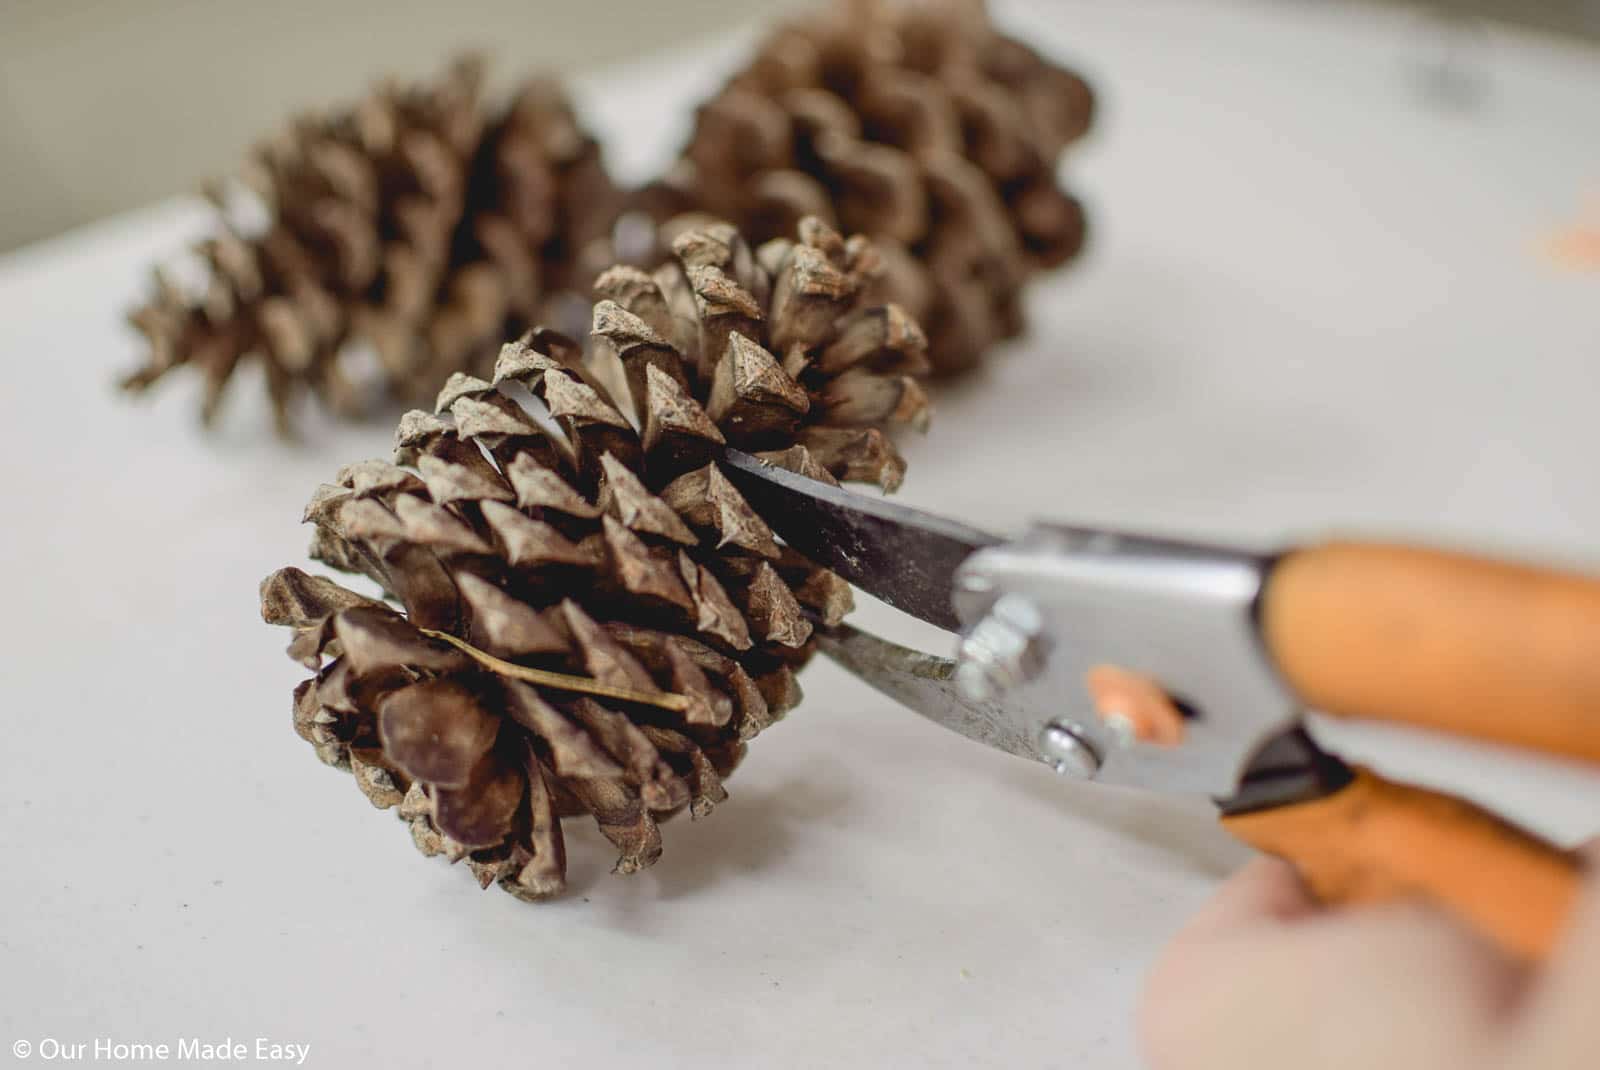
column 1314, row 301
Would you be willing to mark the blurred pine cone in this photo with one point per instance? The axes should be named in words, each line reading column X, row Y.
column 599, row 539
column 917, row 123
column 422, row 222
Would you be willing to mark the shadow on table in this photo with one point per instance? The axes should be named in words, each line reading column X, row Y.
column 748, row 833
column 1184, row 829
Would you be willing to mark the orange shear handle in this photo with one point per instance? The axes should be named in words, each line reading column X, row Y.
column 1478, row 648
column 1374, row 840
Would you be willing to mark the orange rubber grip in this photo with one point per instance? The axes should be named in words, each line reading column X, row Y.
column 1460, row 644
column 1374, row 840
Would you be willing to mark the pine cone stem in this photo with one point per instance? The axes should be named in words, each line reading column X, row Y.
column 562, row 681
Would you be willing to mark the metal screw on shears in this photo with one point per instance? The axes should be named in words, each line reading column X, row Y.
column 1001, row 651
column 1067, row 750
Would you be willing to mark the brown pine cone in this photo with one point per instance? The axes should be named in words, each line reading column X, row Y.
column 917, row 123
column 421, row 222
column 597, row 538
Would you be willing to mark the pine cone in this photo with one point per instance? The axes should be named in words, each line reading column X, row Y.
column 419, row 222
column 916, row 123
column 587, row 542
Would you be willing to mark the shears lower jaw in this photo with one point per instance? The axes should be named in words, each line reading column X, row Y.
column 1290, row 768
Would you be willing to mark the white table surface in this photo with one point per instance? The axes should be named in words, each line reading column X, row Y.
column 1313, row 301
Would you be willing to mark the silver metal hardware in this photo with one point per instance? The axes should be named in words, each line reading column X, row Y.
column 1178, row 613
column 1002, row 651
column 1066, row 749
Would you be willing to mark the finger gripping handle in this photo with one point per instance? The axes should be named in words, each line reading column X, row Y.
column 1446, row 641
column 1374, row 840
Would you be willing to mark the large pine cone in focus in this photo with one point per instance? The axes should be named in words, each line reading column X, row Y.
column 598, row 538
column 422, row 222
column 917, row 123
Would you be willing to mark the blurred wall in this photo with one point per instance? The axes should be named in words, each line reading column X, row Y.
column 106, row 104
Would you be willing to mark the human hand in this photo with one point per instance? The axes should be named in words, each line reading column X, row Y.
column 1263, row 978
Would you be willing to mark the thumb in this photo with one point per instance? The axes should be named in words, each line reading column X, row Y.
column 1559, row 1026
column 1263, row 978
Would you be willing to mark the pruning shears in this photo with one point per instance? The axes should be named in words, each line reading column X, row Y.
column 1184, row 667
